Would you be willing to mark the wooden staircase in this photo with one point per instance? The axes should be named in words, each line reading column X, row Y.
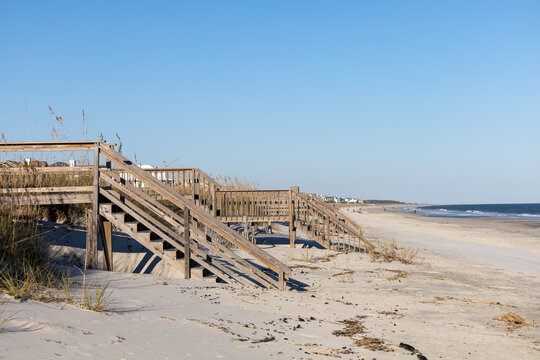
column 321, row 222
column 135, row 228
column 325, row 225
column 175, row 226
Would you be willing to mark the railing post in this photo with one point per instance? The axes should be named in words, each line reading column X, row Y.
column 91, row 246
column 187, row 246
column 292, row 229
column 246, row 227
column 214, row 205
column 327, row 232
column 193, row 185
column 92, row 237
column 253, row 230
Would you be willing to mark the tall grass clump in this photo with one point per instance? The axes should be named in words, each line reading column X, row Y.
column 229, row 183
column 24, row 271
column 389, row 251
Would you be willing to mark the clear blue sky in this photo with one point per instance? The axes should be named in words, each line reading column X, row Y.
column 424, row 101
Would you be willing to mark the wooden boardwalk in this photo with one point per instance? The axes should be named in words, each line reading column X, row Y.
column 177, row 213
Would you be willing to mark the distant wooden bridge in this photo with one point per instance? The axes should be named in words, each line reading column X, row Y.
column 177, row 213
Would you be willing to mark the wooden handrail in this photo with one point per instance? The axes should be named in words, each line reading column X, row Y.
column 336, row 213
column 332, row 218
column 52, row 145
column 46, row 190
column 41, row 169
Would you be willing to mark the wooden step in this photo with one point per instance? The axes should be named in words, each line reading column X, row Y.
column 132, row 225
column 211, row 278
column 145, row 234
column 106, row 207
column 174, row 253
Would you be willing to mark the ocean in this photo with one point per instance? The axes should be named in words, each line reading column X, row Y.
column 508, row 211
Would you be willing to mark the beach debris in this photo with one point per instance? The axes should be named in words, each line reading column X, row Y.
column 310, row 267
column 240, row 339
column 441, row 299
column 352, row 327
column 118, row 339
column 373, row 343
column 399, row 274
column 389, row 313
column 513, row 320
column 264, row 339
column 348, row 272
column 412, row 350
column 317, row 349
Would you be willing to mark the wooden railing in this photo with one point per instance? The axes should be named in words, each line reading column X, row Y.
column 190, row 182
column 324, row 226
column 30, row 183
column 317, row 219
column 252, row 205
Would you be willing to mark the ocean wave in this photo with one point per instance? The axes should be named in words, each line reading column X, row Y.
column 442, row 212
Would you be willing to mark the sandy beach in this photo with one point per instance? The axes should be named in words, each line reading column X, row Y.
column 467, row 272
column 511, row 244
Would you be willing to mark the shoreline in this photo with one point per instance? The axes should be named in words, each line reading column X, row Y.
column 512, row 244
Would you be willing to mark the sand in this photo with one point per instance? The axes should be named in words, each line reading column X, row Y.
column 444, row 306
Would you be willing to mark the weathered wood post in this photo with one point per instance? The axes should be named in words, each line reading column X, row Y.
column 106, row 236
column 91, row 246
column 327, row 232
column 253, row 230
column 93, row 231
column 214, row 205
column 106, row 241
column 193, row 185
column 292, row 228
column 187, row 246
column 246, row 227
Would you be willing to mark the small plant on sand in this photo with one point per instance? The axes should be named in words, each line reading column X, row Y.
column 389, row 252
column 4, row 316
column 95, row 298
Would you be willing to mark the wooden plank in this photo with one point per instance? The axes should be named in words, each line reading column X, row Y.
column 95, row 199
column 59, row 189
column 106, row 240
column 50, row 146
column 292, row 230
column 91, row 259
column 46, row 199
column 187, row 246
column 49, row 169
